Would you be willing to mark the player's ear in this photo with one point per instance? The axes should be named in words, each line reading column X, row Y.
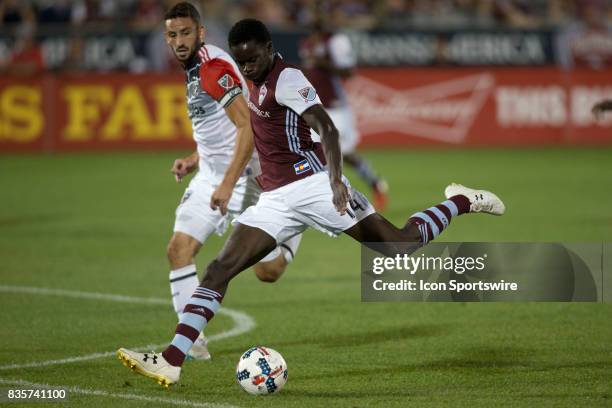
column 269, row 47
column 202, row 33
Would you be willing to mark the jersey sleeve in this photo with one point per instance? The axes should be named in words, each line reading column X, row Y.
column 219, row 79
column 294, row 91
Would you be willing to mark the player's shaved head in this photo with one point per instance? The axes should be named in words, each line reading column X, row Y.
column 247, row 30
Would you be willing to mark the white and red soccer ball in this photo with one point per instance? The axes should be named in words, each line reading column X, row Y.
column 261, row 371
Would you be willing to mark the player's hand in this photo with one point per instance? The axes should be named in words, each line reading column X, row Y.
column 182, row 167
column 341, row 196
column 220, row 198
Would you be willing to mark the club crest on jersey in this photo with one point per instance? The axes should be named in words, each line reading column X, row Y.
column 308, row 94
column 263, row 91
column 226, row 81
column 193, row 88
column 301, row 167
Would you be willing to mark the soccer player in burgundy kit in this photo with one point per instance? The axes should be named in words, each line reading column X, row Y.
column 224, row 184
column 303, row 187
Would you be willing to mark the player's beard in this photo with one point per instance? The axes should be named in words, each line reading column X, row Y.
column 191, row 51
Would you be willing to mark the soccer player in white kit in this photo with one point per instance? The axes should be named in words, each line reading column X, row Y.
column 303, row 187
column 225, row 184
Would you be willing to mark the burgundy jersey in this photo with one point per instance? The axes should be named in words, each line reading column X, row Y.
column 282, row 138
column 337, row 52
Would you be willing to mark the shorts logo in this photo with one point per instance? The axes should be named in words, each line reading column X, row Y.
column 263, row 91
column 301, row 167
column 226, row 81
column 186, row 196
column 308, row 94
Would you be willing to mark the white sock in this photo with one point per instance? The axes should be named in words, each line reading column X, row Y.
column 183, row 282
column 289, row 247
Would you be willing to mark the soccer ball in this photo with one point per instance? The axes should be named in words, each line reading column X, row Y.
column 261, row 371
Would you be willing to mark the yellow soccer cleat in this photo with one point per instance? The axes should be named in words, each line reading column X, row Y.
column 152, row 365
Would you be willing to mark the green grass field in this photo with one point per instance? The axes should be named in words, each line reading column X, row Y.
column 80, row 223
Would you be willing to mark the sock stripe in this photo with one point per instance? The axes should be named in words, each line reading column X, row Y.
column 452, row 207
column 212, row 305
column 441, row 217
column 174, row 356
column 180, row 278
column 208, row 292
column 193, row 320
column 182, row 343
column 435, row 219
column 205, row 312
column 187, row 331
column 430, row 223
column 212, row 292
column 446, row 211
column 424, row 235
column 198, row 296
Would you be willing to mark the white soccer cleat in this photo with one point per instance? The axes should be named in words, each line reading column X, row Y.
column 480, row 200
column 152, row 365
column 199, row 350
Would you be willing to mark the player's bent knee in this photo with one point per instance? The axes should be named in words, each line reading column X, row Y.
column 268, row 272
column 181, row 249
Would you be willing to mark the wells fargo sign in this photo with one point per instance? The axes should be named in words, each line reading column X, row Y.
column 393, row 107
column 94, row 112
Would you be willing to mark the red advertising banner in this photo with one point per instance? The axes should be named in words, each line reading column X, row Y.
column 394, row 107
column 501, row 107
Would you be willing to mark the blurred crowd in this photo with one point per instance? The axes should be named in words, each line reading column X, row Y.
column 289, row 14
column 25, row 22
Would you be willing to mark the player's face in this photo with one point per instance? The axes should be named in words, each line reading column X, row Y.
column 253, row 59
column 184, row 37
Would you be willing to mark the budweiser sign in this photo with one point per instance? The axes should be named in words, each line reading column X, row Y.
column 503, row 107
column 443, row 111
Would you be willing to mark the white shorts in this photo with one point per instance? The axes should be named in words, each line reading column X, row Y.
column 344, row 120
column 290, row 209
column 194, row 216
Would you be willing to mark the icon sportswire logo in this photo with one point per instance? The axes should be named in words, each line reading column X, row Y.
column 443, row 111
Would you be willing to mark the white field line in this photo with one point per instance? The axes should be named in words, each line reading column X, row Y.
column 99, row 393
column 242, row 322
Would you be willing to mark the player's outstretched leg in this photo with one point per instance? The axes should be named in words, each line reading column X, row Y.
column 424, row 226
column 245, row 246
column 272, row 266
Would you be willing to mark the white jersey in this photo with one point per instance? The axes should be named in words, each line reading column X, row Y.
column 213, row 81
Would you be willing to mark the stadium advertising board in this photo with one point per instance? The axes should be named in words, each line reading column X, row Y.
column 461, row 48
column 501, row 107
column 394, row 107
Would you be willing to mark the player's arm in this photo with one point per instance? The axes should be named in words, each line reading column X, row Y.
column 220, row 81
column 185, row 165
column 238, row 112
column 601, row 107
column 294, row 91
column 319, row 120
